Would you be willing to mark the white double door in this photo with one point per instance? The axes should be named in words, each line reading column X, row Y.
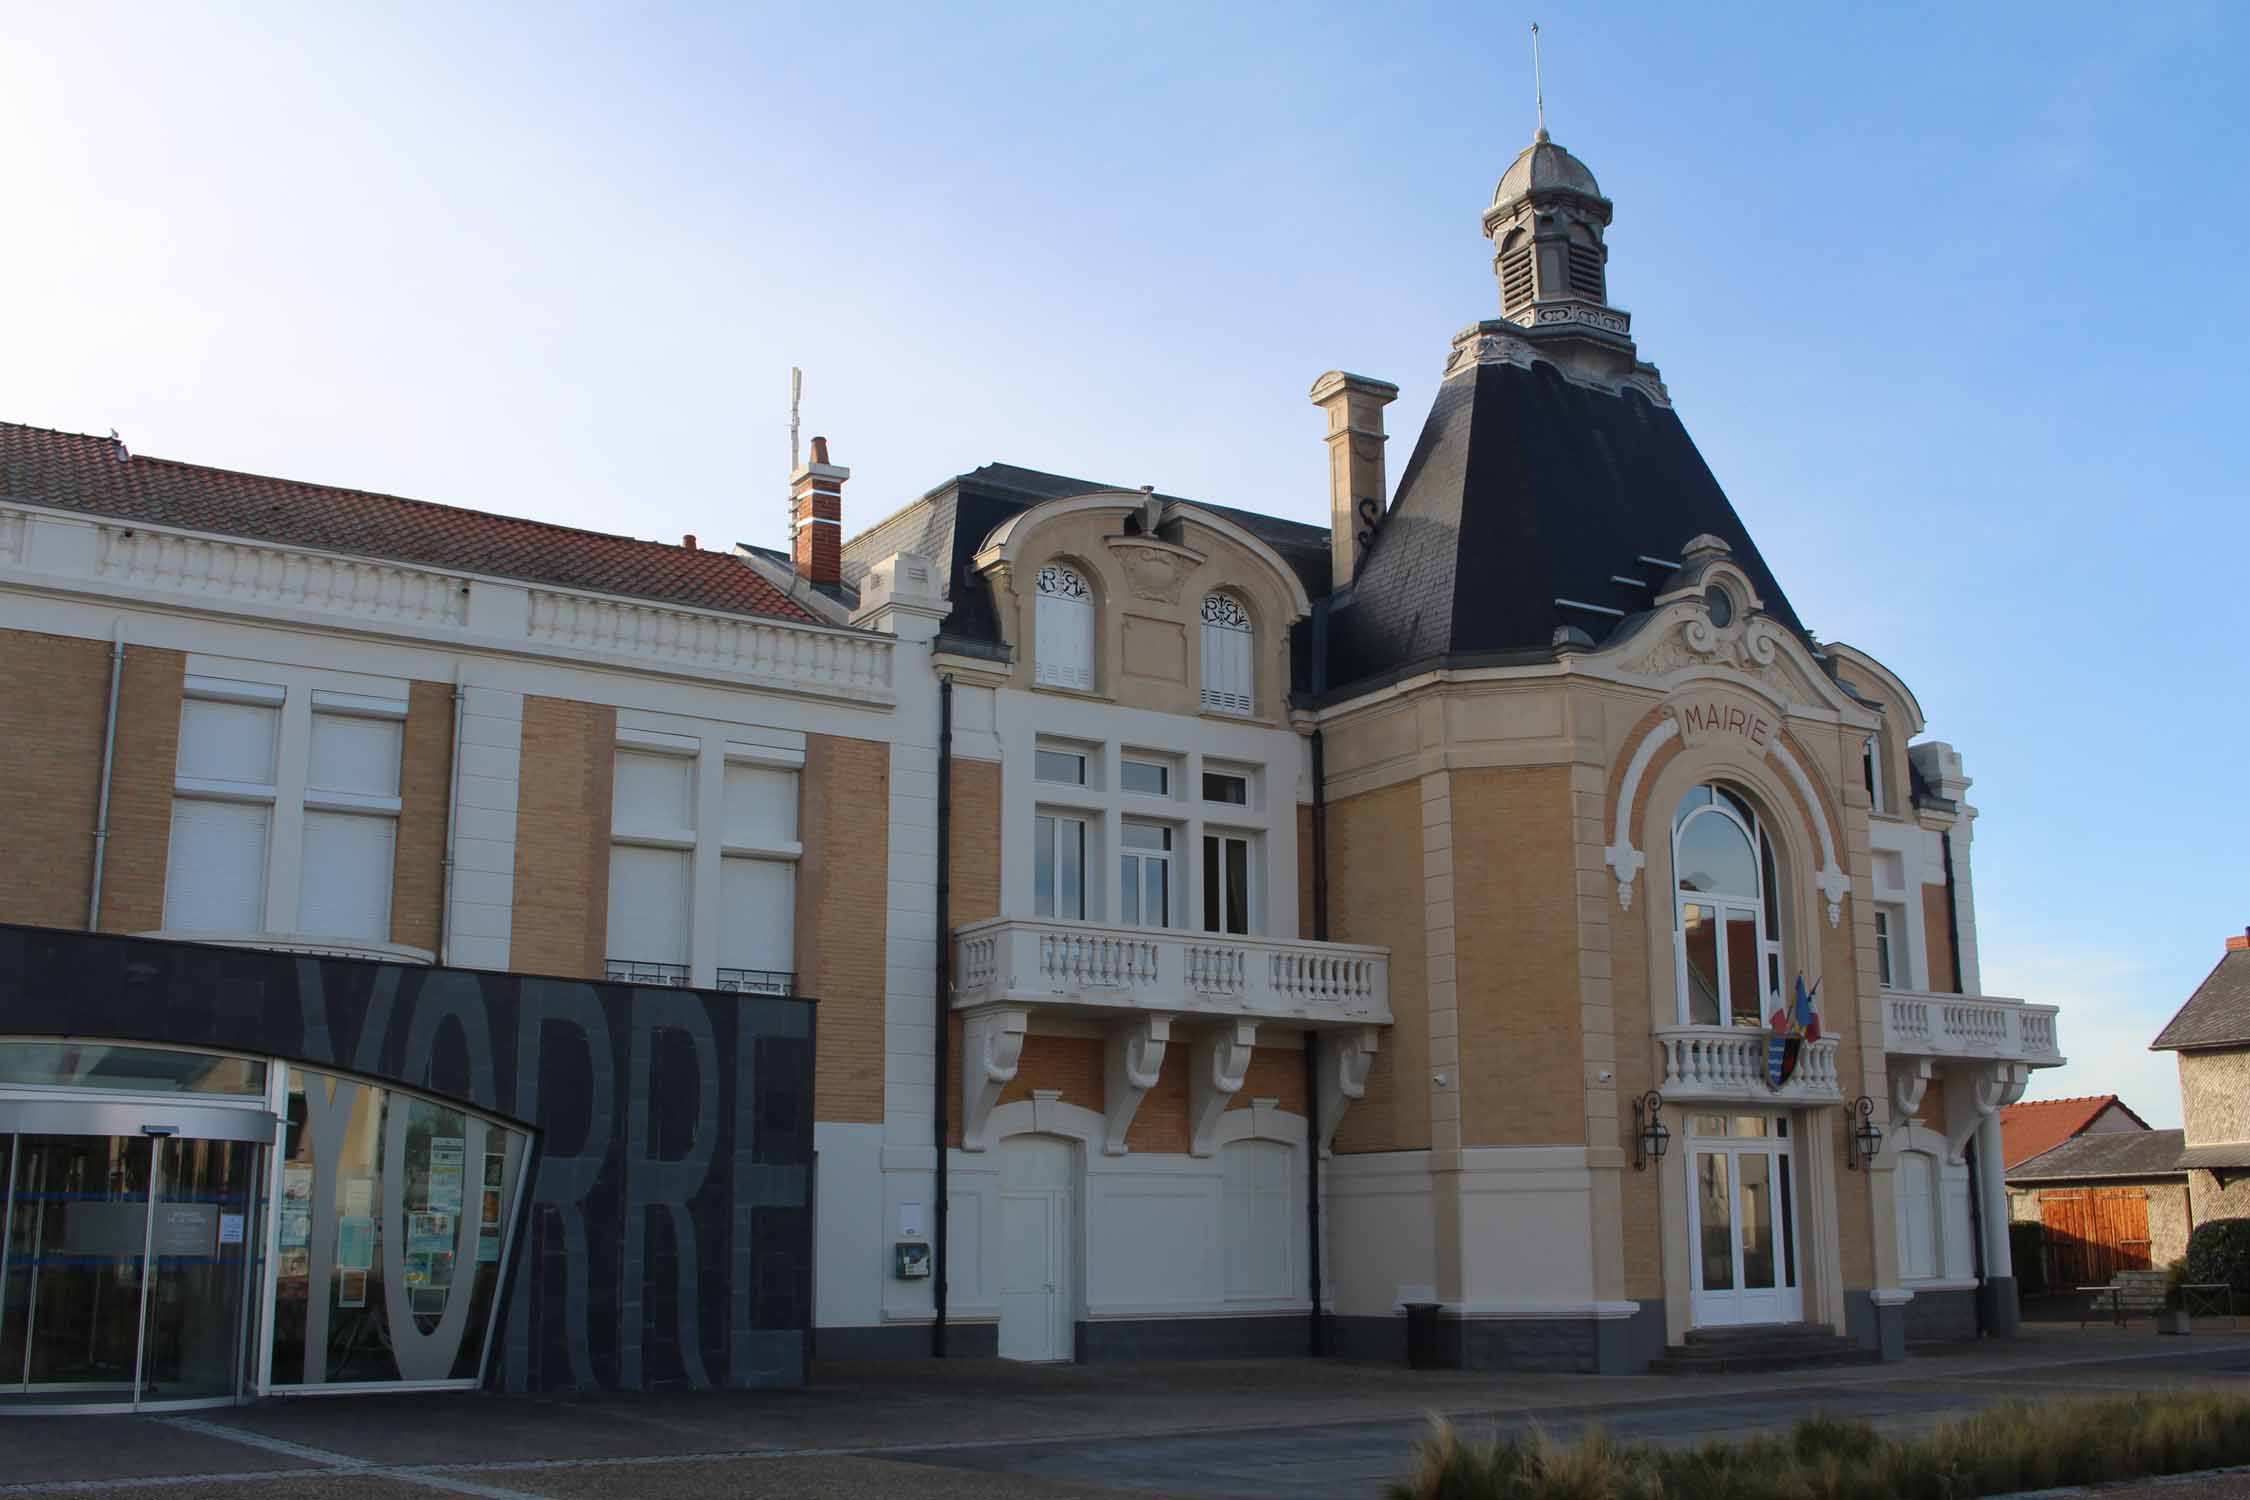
column 1742, row 1205
column 1038, row 1207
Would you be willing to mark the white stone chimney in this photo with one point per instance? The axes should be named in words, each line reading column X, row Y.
column 1357, row 494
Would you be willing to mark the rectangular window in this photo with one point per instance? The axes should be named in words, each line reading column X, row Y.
column 1225, row 786
column 758, row 880
column 1226, row 883
column 1145, row 875
column 1059, row 867
column 1871, row 765
column 1890, row 963
column 318, row 771
column 1064, row 767
column 1145, row 778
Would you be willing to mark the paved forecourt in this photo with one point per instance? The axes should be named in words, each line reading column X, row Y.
column 1228, row 1428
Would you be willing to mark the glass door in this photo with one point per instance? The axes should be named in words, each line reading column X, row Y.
column 1742, row 1221
column 126, row 1246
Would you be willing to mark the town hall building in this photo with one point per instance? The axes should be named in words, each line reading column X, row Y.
column 1055, row 921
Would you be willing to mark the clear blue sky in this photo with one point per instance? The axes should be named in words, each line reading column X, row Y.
column 1953, row 297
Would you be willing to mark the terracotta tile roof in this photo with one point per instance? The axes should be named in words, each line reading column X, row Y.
column 2026, row 1130
column 2218, row 1013
column 73, row 471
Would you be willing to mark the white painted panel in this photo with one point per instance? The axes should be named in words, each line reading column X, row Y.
column 1227, row 666
column 653, row 793
column 761, row 805
column 215, row 876
column 345, row 890
column 1037, row 1177
column 648, row 904
column 352, row 754
column 228, row 742
column 757, row 914
column 1916, row 1181
column 1257, row 1221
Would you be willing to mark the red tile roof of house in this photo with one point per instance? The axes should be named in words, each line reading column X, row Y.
column 2028, row 1129
column 72, row 471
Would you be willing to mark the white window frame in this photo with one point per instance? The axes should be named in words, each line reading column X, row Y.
column 1878, row 802
column 1165, row 767
column 709, row 746
column 1772, row 967
column 1133, row 862
column 295, row 695
column 1062, row 620
column 1215, row 892
column 1890, row 948
column 1229, row 686
column 1052, row 897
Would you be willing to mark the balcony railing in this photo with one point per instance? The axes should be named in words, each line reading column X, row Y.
column 1983, row 1026
column 640, row 971
column 757, row 981
column 1094, row 967
column 1728, row 1063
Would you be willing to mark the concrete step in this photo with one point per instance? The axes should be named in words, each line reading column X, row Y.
column 1760, row 1347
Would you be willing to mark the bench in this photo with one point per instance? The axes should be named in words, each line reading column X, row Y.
column 2127, row 1294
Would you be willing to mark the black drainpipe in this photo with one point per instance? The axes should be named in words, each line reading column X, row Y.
column 1312, row 1043
column 1952, row 912
column 944, row 1004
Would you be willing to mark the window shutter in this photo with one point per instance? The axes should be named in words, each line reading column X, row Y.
column 354, row 755
column 1064, row 624
column 215, row 875
column 761, row 806
column 653, row 794
column 1917, row 1221
column 648, row 904
column 757, row 914
column 345, row 890
column 1227, row 656
column 228, row 742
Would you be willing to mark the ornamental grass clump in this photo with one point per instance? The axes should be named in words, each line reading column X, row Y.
column 2017, row 1446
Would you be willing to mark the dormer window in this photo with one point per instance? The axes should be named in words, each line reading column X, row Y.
column 1065, row 629
column 1871, row 767
column 1228, row 663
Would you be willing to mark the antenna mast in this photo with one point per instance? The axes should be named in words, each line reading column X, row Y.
column 1538, row 85
column 796, row 394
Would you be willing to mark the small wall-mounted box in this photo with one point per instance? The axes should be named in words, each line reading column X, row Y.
column 911, row 1260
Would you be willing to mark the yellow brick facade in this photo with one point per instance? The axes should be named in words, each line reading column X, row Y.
column 54, row 696
column 425, row 786
column 842, row 899
column 561, row 923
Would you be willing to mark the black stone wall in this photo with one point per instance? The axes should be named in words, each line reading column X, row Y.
column 666, row 1240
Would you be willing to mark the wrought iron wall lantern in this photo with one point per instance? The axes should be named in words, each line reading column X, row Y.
column 1650, row 1139
column 1861, row 1139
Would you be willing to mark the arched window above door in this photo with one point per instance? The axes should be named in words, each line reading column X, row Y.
column 1064, row 625
column 1727, row 910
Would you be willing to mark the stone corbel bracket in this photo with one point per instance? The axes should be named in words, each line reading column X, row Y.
column 1133, row 1055
column 1910, row 1080
column 1345, row 1057
column 1222, row 1061
column 1994, row 1088
column 991, row 1046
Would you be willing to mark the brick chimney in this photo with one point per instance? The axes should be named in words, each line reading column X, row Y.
column 1357, row 493
column 816, row 517
column 2238, row 941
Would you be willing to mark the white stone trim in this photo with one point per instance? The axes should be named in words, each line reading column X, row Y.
column 1132, row 1059
column 1625, row 861
column 1834, row 883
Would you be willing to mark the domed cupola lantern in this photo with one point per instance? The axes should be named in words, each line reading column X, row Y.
column 1546, row 223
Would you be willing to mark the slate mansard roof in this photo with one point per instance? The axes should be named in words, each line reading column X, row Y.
column 73, row 471
column 1525, row 488
column 2217, row 1014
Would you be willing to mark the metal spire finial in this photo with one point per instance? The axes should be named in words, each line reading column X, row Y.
column 1538, row 84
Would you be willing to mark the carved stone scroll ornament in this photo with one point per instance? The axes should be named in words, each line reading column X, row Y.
column 1154, row 568
column 1345, row 1057
column 1221, row 1062
column 1133, row 1056
column 1910, row 1080
column 991, row 1047
column 1995, row 1087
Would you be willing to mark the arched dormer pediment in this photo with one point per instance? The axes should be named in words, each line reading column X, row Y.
column 1191, row 612
column 1900, row 705
column 1156, row 525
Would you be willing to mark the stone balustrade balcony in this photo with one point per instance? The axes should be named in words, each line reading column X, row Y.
column 1985, row 1027
column 1727, row 1064
column 1096, row 969
column 1165, row 997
